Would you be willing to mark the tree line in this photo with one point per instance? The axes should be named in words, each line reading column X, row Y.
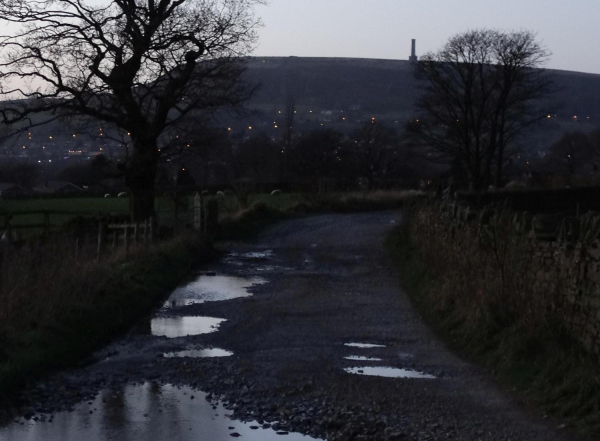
column 153, row 71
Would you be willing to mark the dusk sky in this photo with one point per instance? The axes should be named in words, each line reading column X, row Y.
column 569, row 29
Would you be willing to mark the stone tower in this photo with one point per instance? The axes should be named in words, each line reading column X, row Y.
column 413, row 55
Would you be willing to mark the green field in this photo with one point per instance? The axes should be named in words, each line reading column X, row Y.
column 73, row 207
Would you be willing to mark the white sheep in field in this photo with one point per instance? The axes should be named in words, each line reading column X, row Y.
column 123, row 194
column 220, row 194
column 275, row 192
column 107, row 195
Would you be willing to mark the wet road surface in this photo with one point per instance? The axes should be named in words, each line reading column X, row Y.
column 304, row 331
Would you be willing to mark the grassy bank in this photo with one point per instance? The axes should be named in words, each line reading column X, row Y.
column 57, row 310
column 266, row 209
column 536, row 358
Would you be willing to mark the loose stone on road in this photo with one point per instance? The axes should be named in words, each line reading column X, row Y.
column 302, row 334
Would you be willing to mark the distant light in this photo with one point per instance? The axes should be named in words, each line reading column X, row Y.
column 276, row 126
column 51, row 137
column 23, row 146
column 229, row 129
column 549, row 116
column 249, row 127
column 39, row 161
column 49, row 160
column 128, row 133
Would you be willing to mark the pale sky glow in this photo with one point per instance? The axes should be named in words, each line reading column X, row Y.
column 570, row 29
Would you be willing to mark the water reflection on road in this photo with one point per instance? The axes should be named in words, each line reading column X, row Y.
column 212, row 289
column 174, row 327
column 146, row 412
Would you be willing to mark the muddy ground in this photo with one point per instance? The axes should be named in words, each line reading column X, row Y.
column 319, row 283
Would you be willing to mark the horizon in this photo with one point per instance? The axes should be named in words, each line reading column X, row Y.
column 384, row 29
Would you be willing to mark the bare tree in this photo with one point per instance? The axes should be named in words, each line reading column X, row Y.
column 571, row 154
column 376, row 149
column 287, row 138
column 482, row 90
column 144, row 67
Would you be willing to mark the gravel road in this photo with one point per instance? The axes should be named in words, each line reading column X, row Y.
column 296, row 304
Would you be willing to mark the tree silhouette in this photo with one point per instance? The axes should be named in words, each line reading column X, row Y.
column 142, row 67
column 482, row 89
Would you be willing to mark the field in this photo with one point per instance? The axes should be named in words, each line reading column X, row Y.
column 28, row 214
column 72, row 207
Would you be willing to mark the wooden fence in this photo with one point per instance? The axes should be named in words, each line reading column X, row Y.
column 112, row 233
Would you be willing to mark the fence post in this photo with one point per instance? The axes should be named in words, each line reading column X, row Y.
column 135, row 233
column 197, row 212
column 151, row 228
column 212, row 216
column 114, row 244
column 146, row 231
column 125, row 238
column 5, row 259
column 100, row 238
column 46, row 222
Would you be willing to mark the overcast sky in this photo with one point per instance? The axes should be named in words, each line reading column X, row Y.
column 570, row 29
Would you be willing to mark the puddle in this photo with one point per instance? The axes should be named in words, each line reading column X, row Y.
column 199, row 353
column 359, row 358
column 212, row 288
column 387, row 372
column 173, row 327
column 141, row 413
column 251, row 256
column 364, row 345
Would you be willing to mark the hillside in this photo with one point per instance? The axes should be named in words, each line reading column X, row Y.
column 380, row 86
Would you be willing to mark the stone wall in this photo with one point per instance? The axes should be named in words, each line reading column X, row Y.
column 506, row 265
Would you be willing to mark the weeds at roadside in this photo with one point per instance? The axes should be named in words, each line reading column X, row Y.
column 522, row 341
column 55, row 308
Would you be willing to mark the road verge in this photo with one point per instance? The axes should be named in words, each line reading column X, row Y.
column 544, row 365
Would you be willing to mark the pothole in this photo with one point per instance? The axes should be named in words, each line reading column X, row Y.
column 145, row 412
column 209, row 288
column 174, row 327
column 359, row 358
column 199, row 353
column 364, row 345
column 256, row 256
column 388, row 372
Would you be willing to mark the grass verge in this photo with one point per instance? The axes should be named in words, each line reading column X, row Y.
column 266, row 210
column 63, row 311
column 546, row 368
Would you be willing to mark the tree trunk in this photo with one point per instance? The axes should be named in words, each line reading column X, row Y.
column 140, row 177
